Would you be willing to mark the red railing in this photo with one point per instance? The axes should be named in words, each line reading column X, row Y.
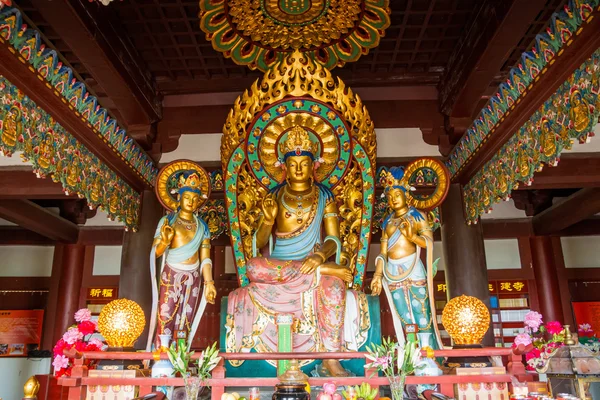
column 79, row 379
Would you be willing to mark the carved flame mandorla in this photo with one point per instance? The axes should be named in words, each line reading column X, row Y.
column 298, row 77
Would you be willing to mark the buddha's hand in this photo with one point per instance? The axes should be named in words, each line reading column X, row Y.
column 210, row 292
column 407, row 230
column 310, row 264
column 166, row 233
column 269, row 208
column 376, row 285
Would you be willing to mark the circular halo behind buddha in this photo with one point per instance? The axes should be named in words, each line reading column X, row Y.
column 168, row 182
column 324, row 127
column 261, row 33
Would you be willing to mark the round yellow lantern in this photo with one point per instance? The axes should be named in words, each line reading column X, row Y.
column 466, row 319
column 121, row 322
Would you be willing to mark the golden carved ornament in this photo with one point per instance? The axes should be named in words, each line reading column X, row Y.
column 276, row 29
column 250, row 194
column 349, row 197
column 297, row 76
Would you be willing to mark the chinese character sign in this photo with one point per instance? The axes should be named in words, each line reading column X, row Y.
column 108, row 293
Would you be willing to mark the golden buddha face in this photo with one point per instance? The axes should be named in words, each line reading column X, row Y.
column 299, row 168
column 189, row 201
column 396, row 198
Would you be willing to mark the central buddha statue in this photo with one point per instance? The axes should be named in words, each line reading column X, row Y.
column 291, row 274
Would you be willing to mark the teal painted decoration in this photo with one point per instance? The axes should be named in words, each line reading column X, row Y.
column 26, row 128
column 569, row 114
column 46, row 65
column 548, row 45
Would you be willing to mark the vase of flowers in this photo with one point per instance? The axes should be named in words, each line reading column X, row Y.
column 396, row 361
column 540, row 340
column 180, row 358
column 78, row 337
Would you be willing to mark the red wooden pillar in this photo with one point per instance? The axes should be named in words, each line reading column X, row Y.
column 546, row 278
column 464, row 254
column 69, row 288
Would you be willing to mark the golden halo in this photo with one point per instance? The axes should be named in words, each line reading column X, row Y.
column 317, row 128
column 167, row 178
column 430, row 202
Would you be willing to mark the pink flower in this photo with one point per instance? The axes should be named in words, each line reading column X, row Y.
column 72, row 335
column 534, row 353
column 522, row 338
column 86, row 328
column 383, row 362
column 96, row 342
column 554, row 327
column 83, row 315
column 60, row 362
column 533, row 320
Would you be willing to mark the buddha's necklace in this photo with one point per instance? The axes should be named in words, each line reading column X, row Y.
column 299, row 211
column 188, row 225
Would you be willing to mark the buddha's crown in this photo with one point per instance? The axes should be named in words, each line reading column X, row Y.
column 298, row 143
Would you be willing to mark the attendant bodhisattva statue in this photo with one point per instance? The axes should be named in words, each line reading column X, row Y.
column 183, row 240
column 399, row 269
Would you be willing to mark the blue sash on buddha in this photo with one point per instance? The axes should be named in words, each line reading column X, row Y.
column 300, row 246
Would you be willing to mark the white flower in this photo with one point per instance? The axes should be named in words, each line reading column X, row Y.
column 401, row 353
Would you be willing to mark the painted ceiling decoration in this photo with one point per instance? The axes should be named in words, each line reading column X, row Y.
column 548, row 45
column 569, row 114
column 45, row 63
column 261, row 33
column 27, row 128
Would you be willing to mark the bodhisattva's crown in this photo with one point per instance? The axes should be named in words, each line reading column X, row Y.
column 190, row 183
column 298, row 143
column 393, row 179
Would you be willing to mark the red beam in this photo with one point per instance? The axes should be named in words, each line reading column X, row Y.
column 39, row 220
column 15, row 235
column 496, row 28
column 350, row 78
column 101, row 236
column 210, row 119
column 582, row 47
column 575, row 170
column 575, row 208
column 19, row 75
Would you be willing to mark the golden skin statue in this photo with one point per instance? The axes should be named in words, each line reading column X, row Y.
column 399, row 269
column 301, row 188
column 300, row 185
column 579, row 112
column 410, row 238
column 12, row 127
column 180, row 234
